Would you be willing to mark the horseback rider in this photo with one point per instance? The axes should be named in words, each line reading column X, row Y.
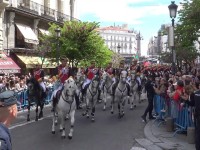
column 117, row 77
column 136, row 68
column 90, row 73
column 111, row 71
column 63, row 72
column 39, row 76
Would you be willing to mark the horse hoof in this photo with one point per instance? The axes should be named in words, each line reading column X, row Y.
column 69, row 137
column 28, row 119
column 104, row 109
column 53, row 132
column 131, row 108
column 83, row 114
column 60, row 130
column 66, row 118
column 112, row 112
column 63, row 137
column 93, row 120
column 40, row 115
column 87, row 116
column 134, row 106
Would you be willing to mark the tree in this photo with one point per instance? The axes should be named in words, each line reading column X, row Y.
column 80, row 41
column 187, row 31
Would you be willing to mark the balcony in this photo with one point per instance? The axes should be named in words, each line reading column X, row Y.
column 40, row 11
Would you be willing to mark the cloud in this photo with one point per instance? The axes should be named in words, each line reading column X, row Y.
column 120, row 10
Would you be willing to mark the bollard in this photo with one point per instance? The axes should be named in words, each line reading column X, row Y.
column 169, row 124
column 191, row 135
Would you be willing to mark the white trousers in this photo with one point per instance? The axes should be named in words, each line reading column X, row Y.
column 55, row 91
column 87, row 81
column 43, row 86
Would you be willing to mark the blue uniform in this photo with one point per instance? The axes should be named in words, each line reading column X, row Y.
column 5, row 138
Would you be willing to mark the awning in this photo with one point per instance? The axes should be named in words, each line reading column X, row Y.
column 45, row 32
column 7, row 65
column 27, row 32
column 32, row 61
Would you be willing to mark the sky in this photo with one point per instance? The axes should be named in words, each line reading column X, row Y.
column 144, row 16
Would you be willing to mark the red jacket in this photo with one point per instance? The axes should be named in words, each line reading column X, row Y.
column 64, row 73
column 176, row 96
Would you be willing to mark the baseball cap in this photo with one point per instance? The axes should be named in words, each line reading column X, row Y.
column 7, row 98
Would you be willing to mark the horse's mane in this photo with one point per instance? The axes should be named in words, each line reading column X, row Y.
column 34, row 81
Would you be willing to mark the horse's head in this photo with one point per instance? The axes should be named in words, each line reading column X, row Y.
column 95, row 81
column 133, row 76
column 32, row 84
column 79, row 78
column 69, row 89
column 104, row 76
column 123, row 76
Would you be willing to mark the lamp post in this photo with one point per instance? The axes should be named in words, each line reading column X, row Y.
column 57, row 30
column 172, row 11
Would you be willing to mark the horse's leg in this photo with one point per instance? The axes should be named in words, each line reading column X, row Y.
column 41, row 109
column 62, row 125
column 131, row 101
column 72, row 114
column 93, row 110
column 105, row 99
column 36, row 110
column 119, row 111
column 54, row 123
column 87, row 108
column 29, row 107
column 112, row 104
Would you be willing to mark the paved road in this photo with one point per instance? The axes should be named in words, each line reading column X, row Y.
column 107, row 133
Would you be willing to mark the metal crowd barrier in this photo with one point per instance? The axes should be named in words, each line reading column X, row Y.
column 182, row 114
column 22, row 98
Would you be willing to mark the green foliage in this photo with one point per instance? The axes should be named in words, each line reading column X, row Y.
column 187, row 31
column 80, row 42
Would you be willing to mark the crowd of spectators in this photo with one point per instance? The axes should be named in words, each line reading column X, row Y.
column 18, row 83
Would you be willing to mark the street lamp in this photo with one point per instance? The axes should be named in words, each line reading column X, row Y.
column 172, row 11
column 118, row 48
column 57, row 30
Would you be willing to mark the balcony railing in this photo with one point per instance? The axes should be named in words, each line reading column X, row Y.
column 41, row 10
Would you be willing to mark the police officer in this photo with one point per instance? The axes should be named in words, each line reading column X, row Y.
column 8, row 112
column 149, row 86
column 195, row 101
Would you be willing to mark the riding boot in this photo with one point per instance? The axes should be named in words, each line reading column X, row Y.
column 77, row 102
column 128, row 89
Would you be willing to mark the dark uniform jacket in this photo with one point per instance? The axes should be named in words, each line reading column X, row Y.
column 149, row 88
column 5, row 138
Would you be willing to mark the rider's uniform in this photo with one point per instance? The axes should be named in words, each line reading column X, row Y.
column 136, row 69
column 39, row 76
column 90, row 73
column 63, row 74
column 111, row 72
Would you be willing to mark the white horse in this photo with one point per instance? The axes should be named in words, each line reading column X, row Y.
column 79, row 78
column 66, row 105
column 120, row 94
column 107, row 88
column 91, row 97
column 134, row 90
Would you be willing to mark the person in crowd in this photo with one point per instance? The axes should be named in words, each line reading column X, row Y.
column 8, row 112
column 178, row 90
column 194, row 100
column 149, row 86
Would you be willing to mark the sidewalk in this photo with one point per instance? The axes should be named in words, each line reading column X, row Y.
column 157, row 138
